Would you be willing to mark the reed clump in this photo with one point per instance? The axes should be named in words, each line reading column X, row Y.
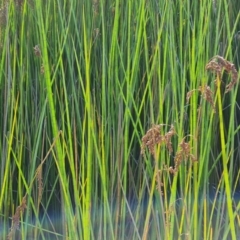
column 155, row 136
column 101, row 73
column 187, row 150
column 23, row 205
column 4, row 10
column 38, row 177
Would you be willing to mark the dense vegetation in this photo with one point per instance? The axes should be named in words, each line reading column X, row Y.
column 119, row 119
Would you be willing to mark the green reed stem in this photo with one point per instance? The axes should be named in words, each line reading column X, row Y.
column 225, row 159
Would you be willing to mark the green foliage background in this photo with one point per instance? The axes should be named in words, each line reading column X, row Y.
column 81, row 82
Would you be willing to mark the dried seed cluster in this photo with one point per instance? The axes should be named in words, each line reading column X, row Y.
column 21, row 208
column 38, row 53
column 40, row 182
column 207, row 94
column 16, row 217
column 218, row 64
column 184, row 153
column 154, row 135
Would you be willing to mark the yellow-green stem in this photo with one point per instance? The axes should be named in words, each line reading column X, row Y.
column 153, row 186
column 89, row 118
column 224, row 160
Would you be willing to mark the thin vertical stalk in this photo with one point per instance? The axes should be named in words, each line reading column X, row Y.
column 89, row 122
column 10, row 142
column 60, row 159
column 225, row 159
column 150, row 205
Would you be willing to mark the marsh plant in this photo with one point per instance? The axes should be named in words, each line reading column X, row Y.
column 117, row 122
column 155, row 136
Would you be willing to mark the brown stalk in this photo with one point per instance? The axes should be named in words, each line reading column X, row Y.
column 16, row 217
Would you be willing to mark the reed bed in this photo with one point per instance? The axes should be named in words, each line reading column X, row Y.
column 120, row 119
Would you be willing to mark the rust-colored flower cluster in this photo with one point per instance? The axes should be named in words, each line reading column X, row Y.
column 184, row 153
column 218, row 64
column 155, row 137
column 16, row 217
column 207, row 94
